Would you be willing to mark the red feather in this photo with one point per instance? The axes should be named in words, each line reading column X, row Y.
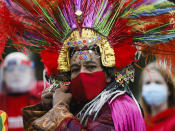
column 50, row 59
column 120, row 38
column 26, row 5
column 163, row 52
column 124, row 54
column 9, row 26
column 148, row 23
column 119, row 32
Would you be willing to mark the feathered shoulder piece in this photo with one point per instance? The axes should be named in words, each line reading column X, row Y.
column 119, row 28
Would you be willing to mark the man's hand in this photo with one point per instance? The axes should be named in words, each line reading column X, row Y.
column 47, row 98
column 61, row 95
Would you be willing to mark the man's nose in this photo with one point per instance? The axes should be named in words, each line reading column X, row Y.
column 83, row 69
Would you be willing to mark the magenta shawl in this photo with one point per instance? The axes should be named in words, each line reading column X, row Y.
column 126, row 114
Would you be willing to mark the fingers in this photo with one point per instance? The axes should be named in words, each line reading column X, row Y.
column 47, row 97
column 47, row 102
column 45, row 91
column 63, row 97
column 62, row 89
column 47, row 94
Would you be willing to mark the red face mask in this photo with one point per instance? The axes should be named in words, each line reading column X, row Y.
column 86, row 86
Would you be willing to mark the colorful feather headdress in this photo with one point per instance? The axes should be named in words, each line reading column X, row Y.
column 120, row 28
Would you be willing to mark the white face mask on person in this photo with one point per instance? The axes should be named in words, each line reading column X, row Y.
column 154, row 94
column 18, row 78
column 18, row 73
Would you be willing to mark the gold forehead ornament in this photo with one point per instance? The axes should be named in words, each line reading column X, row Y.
column 87, row 38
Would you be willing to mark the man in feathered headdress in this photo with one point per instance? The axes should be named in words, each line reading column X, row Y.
column 88, row 47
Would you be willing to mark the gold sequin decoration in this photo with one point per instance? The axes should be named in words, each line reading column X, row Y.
column 107, row 53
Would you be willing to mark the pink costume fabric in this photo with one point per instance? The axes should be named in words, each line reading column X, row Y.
column 126, row 115
column 121, row 115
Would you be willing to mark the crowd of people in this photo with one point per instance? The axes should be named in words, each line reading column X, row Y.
column 89, row 50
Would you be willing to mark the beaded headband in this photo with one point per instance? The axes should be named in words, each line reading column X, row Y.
column 88, row 40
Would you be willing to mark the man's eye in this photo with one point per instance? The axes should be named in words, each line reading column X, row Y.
column 91, row 67
column 75, row 70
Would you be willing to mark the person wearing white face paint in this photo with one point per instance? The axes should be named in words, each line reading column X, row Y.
column 158, row 98
column 19, row 88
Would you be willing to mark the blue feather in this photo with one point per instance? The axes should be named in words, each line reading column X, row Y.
column 153, row 12
column 154, row 39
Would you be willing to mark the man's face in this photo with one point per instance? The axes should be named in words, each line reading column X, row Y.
column 86, row 62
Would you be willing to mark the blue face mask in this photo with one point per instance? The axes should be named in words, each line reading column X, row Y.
column 154, row 94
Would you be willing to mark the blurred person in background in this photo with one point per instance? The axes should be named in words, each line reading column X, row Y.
column 19, row 88
column 158, row 98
